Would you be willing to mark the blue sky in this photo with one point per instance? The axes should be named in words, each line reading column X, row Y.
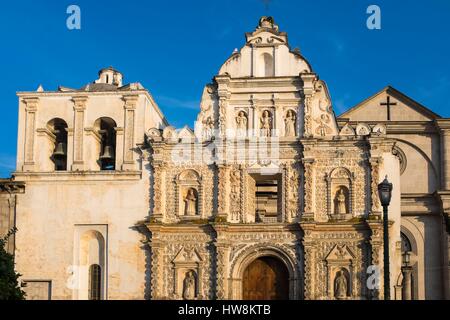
column 175, row 47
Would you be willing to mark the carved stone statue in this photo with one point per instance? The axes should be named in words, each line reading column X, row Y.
column 191, row 203
column 189, row 286
column 208, row 127
column 341, row 202
column 340, row 285
column 241, row 124
column 266, row 124
column 289, row 122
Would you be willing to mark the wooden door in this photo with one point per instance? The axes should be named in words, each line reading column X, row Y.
column 266, row 279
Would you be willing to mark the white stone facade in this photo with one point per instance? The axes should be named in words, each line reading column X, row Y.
column 268, row 171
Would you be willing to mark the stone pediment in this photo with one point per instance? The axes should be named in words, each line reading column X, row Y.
column 187, row 255
column 347, row 130
column 401, row 108
column 186, row 133
column 340, row 253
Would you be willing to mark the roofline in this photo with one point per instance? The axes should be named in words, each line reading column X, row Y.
column 395, row 91
column 145, row 92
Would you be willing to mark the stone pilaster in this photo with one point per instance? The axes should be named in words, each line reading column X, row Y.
column 443, row 126
column 128, row 142
column 308, row 92
column 443, row 197
column 224, row 95
column 308, row 198
column 376, row 245
column 375, row 177
column 31, row 106
column 78, row 136
column 222, row 191
column 222, row 248
column 158, row 187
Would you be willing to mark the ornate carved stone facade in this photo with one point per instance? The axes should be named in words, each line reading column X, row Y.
column 324, row 224
column 269, row 179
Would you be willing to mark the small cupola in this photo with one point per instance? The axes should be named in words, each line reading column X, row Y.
column 110, row 76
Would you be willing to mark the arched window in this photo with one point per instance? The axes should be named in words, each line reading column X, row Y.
column 95, row 282
column 408, row 282
column 58, row 128
column 106, row 129
column 406, row 244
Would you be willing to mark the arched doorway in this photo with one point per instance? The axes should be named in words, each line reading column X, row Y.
column 266, row 278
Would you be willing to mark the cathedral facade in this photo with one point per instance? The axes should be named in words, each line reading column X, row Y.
column 269, row 196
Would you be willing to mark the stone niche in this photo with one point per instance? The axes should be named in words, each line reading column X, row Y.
column 187, row 263
column 189, row 194
column 340, row 194
column 340, row 271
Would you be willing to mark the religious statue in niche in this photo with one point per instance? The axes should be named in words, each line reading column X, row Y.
column 341, row 202
column 190, row 203
column 289, row 122
column 189, row 292
column 341, row 285
column 241, row 123
column 266, row 124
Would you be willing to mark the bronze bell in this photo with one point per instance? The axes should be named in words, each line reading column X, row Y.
column 107, row 154
column 60, row 150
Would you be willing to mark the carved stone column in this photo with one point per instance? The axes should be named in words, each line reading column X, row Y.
column 78, row 137
column 31, row 105
column 375, row 177
column 308, row 199
column 376, row 244
column 158, row 187
column 224, row 94
column 128, row 142
column 156, row 249
column 308, row 91
column 309, row 273
column 406, row 285
column 443, row 126
column 222, row 191
column 222, row 253
column 444, row 200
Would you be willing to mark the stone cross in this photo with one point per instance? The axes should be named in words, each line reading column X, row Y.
column 388, row 104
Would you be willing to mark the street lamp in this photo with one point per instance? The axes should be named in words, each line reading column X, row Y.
column 385, row 194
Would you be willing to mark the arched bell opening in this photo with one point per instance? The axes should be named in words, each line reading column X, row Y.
column 106, row 129
column 58, row 128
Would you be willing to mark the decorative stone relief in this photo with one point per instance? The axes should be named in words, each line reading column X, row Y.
column 235, row 195
column 292, row 191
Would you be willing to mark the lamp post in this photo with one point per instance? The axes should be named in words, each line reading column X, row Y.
column 385, row 193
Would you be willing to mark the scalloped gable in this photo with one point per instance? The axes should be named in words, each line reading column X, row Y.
column 265, row 48
column 405, row 108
